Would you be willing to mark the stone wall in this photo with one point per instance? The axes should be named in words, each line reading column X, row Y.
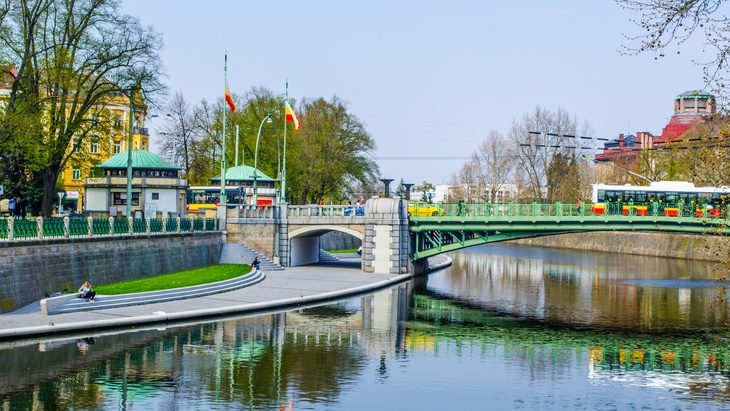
column 259, row 235
column 337, row 240
column 673, row 245
column 32, row 270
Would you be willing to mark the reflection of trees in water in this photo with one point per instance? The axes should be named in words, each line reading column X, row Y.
column 437, row 325
column 595, row 291
column 242, row 361
column 686, row 360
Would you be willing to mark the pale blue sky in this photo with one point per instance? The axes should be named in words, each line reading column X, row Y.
column 429, row 79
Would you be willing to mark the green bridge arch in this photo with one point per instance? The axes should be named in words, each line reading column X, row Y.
column 466, row 225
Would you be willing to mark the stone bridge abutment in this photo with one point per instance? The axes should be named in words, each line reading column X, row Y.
column 289, row 235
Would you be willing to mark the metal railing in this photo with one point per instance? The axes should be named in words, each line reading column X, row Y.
column 45, row 228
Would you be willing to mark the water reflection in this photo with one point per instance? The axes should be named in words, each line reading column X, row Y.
column 581, row 289
column 495, row 331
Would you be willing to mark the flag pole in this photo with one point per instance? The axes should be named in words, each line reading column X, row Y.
column 282, row 195
column 223, row 196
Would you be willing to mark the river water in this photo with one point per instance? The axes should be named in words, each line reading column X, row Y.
column 505, row 327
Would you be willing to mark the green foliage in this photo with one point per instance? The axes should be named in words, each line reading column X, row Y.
column 70, row 59
column 187, row 278
column 331, row 151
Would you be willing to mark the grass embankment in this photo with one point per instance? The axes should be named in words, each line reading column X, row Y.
column 347, row 250
column 187, row 278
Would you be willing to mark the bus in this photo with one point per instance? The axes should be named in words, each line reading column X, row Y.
column 203, row 198
column 669, row 198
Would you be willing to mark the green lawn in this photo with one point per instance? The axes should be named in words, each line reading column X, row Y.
column 203, row 275
column 348, row 250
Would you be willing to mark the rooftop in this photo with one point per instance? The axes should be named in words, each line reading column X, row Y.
column 140, row 159
column 243, row 173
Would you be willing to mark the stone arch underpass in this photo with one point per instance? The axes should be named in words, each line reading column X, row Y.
column 304, row 241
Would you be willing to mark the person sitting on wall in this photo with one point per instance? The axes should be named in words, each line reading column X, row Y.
column 255, row 263
column 86, row 292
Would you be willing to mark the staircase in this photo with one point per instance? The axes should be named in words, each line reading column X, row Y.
column 233, row 253
column 325, row 257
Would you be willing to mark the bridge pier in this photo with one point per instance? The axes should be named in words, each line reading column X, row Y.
column 387, row 242
column 289, row 235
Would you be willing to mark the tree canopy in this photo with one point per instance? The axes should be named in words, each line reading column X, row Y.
column 65, row 61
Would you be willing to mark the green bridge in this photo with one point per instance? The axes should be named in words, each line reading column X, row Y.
column 460, row 225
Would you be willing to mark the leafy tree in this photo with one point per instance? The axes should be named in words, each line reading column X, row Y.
column 332, row 150
column 72, row 57
column 426, row 190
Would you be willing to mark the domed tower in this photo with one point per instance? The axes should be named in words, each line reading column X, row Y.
column 690, row 108
column 694, row 103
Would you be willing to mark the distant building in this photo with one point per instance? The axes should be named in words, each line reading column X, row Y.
column 157, row 189
column 690, row 109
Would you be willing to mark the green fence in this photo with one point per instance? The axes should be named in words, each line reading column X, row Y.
column 48, row 228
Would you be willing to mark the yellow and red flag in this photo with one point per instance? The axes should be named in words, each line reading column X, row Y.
column 229, row 100
column 290, row 116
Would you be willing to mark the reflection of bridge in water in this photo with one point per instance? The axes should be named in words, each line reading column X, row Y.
column 313, row 351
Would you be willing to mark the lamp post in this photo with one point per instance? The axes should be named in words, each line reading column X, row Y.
column 129, row 153
column 267, row 119
column 386, row 182
column 408, row 190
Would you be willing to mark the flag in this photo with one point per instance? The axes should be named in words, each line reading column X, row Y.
column 229, row 100
column 290, row 116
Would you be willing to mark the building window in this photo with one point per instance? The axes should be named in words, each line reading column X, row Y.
column 144, row 146
column 94, row 119
column 117, row 121
column 155, row 196
column 121, row 199
column 76, row 145
column 94, row 149
column 76, row 173
column 117, row 147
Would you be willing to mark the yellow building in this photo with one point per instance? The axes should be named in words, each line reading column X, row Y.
column 110, row 137
column 115, row 117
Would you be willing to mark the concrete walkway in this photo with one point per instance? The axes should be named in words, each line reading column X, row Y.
column 287, row 288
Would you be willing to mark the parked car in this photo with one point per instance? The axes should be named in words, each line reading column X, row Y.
column 423, row 210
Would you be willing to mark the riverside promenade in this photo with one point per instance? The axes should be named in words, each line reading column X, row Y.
column 289, row 288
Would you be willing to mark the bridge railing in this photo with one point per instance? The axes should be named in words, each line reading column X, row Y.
column 47, row 228
column 509, row 209
column 257, row 211
column 314, row 210
column 558, row 209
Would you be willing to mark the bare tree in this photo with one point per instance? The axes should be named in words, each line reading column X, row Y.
column 177, row 142
column 673, row 22
column 537, row 138
column 494, row 164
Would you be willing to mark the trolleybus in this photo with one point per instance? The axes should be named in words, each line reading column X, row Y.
column 203, row 198
column 669, row 198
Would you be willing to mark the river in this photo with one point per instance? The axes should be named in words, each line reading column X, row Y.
column 505, row 327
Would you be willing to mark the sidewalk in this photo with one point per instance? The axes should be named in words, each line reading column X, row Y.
column 281, row 289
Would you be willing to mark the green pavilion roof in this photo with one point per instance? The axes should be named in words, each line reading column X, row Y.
column 695, row 94
column 242, row 173
column 140, row 159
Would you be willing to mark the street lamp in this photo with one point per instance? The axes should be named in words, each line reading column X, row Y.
column 408, row 190
column 267, row 119
column 386, row 182
column 129, row 153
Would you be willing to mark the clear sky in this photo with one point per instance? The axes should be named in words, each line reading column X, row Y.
column 429, row 79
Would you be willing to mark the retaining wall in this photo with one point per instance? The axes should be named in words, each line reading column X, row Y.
column 672, row 245
column 32, row 270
